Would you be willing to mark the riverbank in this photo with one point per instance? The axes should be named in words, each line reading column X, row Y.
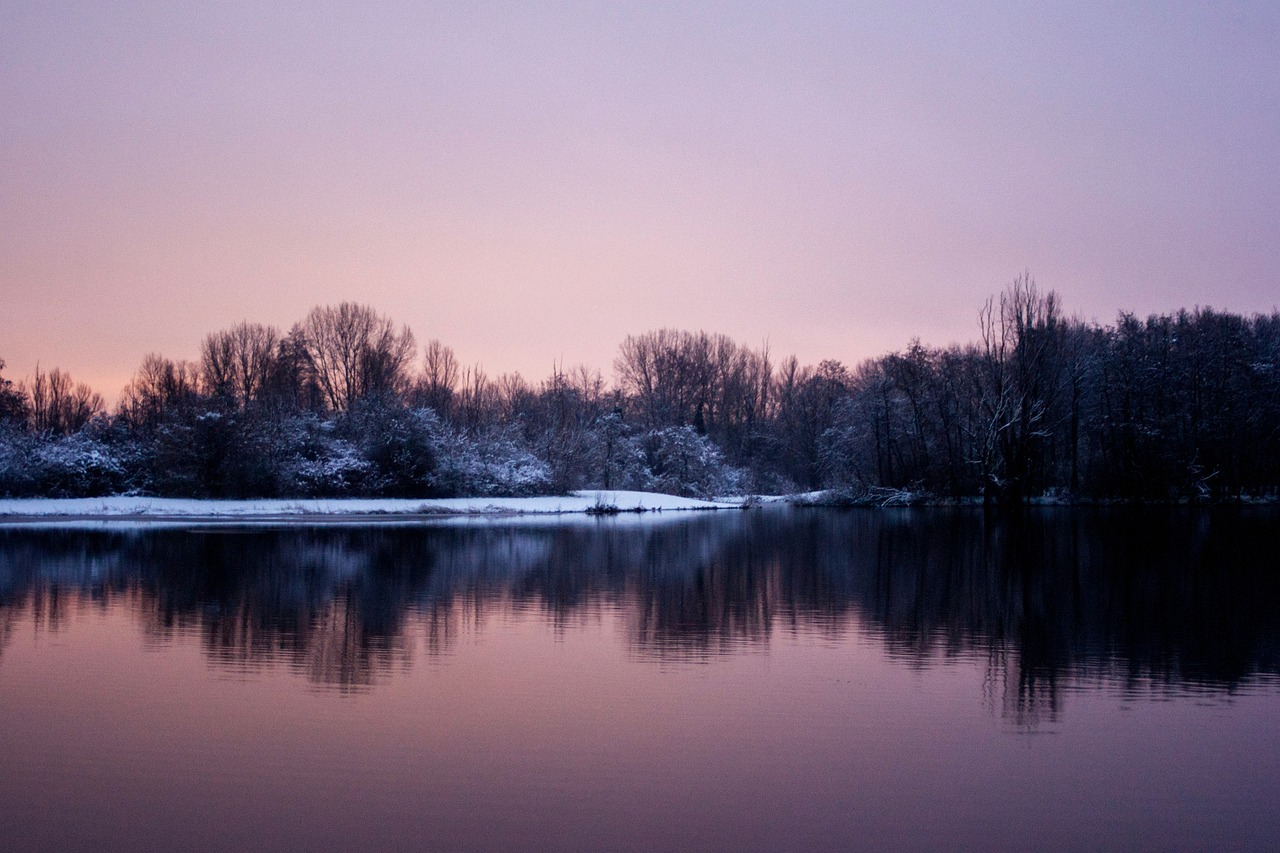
column 135, row 508
column 581, row 503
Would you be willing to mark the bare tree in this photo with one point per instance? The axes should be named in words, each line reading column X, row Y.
column 239, row 362
column 514, row 396
column 477, row 398
column 159, row 387
column 807, row 404
column 563, row 424
column 58, row 405
column 678, row 378
column 640, row 373
column 1021, row 349
column 439, row 381
column 355, row 351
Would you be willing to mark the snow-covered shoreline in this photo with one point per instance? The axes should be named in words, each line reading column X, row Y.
column 133, row 509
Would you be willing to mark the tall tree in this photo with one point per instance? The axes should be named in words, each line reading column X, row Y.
column 239, row 362
column 159, row 388
column 60, row 406
column 354, row 351
column 1021, row 346
column 439, row 381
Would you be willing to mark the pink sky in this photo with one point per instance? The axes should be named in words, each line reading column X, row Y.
column 530, row 183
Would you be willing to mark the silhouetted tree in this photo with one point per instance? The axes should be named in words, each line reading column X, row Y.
column 439, row 381
column 58, row 405
column 354, row 351
column 160, row 387
column 239, row 362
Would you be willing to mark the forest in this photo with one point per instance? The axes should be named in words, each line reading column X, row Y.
column 1182, row 406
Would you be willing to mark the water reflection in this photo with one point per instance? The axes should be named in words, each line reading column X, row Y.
column 1147, row 600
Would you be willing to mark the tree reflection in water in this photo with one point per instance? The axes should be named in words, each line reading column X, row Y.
column 1167, row 599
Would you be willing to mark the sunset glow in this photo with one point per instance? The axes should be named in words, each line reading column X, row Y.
column 531, row 185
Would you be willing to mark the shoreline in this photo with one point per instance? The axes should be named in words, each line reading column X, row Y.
column 577, row 506
column 153, row 510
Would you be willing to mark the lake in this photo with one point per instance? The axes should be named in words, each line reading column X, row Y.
column 773, row 679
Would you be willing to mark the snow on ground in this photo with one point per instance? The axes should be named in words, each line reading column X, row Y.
column 139, row 508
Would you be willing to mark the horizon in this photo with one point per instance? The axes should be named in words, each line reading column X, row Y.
column 111, row 396
column 531, row 186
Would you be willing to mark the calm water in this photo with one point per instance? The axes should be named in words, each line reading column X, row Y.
column 773, row 679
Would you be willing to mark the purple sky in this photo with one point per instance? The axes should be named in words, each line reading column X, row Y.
column 531, row 182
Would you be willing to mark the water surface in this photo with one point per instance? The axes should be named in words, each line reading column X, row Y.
column 771, row 679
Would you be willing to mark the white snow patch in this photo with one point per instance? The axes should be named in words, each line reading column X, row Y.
column 147, row 508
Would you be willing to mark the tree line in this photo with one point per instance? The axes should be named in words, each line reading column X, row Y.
column 1177, row 406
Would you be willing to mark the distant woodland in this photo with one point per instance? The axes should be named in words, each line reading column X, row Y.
column 1183, row 406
